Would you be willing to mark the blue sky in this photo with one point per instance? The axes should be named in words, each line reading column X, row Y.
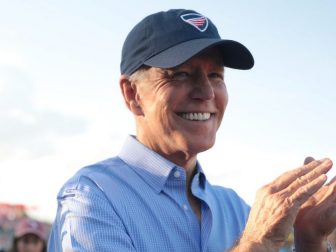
column 61, row 108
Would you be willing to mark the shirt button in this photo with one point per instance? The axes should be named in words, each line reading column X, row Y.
column 185, row 207
column 177, row 174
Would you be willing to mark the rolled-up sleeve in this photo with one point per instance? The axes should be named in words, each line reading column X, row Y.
column 87, row 222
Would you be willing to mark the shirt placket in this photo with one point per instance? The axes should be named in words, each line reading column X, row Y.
column 206, row 216
column 176, row 189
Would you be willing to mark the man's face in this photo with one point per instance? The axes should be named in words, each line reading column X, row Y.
column 182, row 107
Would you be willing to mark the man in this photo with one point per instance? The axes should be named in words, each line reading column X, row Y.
column 154, row 196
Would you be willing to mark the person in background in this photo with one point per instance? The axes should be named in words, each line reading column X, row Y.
column 29, row 236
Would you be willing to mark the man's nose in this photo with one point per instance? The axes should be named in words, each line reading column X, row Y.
column 202, row 88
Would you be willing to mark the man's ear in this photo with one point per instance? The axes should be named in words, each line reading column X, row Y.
column 130, row 94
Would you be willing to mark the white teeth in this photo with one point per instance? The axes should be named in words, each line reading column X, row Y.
column 196, row 116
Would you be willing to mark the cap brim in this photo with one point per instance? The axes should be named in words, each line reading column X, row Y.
column 235, row 55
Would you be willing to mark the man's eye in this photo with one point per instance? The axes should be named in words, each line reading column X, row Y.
column 180, row 75
column 216, row 76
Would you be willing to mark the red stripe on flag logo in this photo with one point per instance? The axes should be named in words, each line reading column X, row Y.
column 196, row 20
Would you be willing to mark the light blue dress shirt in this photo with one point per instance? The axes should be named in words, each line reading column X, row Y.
column 137, row 201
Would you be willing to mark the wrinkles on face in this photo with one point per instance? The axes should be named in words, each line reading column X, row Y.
column 182, row 107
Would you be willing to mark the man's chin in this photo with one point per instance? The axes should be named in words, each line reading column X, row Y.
column 200, row 146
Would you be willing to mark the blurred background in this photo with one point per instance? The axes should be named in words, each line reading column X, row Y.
column 61, row 108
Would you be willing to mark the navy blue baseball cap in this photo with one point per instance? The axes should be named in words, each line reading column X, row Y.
column 168, row 39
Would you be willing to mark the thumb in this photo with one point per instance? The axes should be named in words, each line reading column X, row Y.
column 308, row 160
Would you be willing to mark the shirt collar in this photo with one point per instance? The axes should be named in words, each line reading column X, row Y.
column 152, row 167
column 201, row 175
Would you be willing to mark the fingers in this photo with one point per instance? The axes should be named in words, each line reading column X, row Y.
column 303, row 193
column 311, row 183
column 301, row 175
column 326, row 194
column 311, row 159
column 316, row 173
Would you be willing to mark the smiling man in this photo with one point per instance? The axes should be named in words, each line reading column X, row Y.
column 154, row 196
column 178, row 110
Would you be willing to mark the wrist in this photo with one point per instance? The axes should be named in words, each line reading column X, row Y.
column 329, row 248
column 246, row 244
column 249, row 247
column 308, row 246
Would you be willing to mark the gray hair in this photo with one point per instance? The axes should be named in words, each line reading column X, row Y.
column 138, row 73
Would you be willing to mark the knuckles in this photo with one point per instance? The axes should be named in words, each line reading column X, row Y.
column 266, row 190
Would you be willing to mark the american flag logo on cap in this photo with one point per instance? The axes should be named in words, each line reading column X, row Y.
column 198, row 21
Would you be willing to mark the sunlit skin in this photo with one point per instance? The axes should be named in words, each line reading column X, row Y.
column 159, row 96
column 30, row 243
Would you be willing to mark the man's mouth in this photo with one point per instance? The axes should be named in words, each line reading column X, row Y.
column 198, row 116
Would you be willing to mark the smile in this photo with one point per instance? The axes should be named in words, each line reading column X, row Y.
column 195, row 116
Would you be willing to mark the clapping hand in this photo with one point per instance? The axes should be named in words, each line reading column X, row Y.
column 297, row 198
column 316, row 218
